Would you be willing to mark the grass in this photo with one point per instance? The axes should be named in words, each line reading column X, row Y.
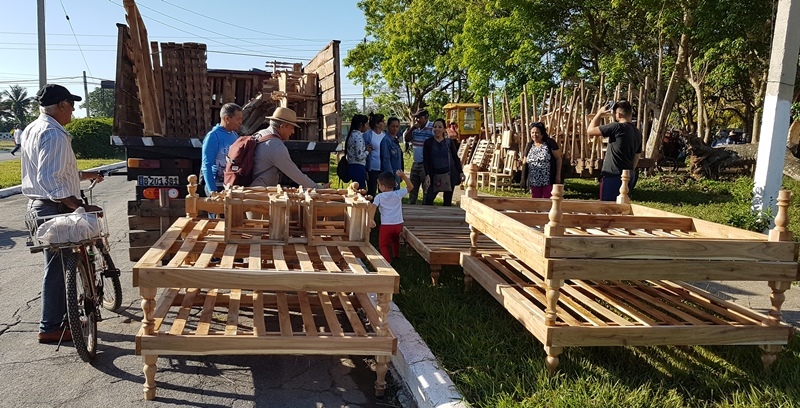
column 6, row 144
column 495, row 362
column 10, row 173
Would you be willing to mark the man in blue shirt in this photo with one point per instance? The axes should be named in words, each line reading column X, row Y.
column 417, row 134
column 216, row 145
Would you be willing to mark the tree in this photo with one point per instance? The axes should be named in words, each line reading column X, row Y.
column 412, row 49
column 100, row 103
column 17, row 103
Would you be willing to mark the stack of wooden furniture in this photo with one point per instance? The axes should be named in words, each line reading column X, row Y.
column 234, row 286
column 505, row 177
column 593, row 273
column 465, row 149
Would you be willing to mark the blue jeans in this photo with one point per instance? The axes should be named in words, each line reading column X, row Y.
column 609, row 186
column 54, row 297
column 358, row 174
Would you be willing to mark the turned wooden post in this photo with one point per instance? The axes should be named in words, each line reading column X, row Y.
column 472, row 180
column 623, row 197
column 551, row 361
column 554, row 227
column 191, row 197
column 777, row 297
column 382, row 329
column 148, row 329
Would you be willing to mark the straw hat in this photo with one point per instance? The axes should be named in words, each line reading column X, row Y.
column 285, row 115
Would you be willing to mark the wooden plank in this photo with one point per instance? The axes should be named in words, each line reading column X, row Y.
column 352, row 316
column 308, row 318
column 188, row 244
column 228, row 278
column 639, row 248
column 283, row 315
column 327, row 260
column 670, row 335
column 204, row 323
column 352, row 262
column 278, row 259
column 607, row 221
column 330, row 315
column 277, row 345
column 163, row 305
column 302, row 256
column 706, row 228
column 677, row 269
column 227, row 259
column 322, row 57
column 154, row 255
column 259, row 328
column 599, row 292
column 232, row 326
column 205, row 257
column 179, row 323
column 254, row 261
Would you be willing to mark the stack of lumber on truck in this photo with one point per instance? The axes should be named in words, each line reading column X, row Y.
column 593, row 273
column 276, row 295
column 167, row 100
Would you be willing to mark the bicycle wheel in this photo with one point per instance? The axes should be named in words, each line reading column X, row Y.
column 112, row 288
column 81, row 309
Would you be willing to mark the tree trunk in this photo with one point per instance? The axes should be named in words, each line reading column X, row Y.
column 660, row 124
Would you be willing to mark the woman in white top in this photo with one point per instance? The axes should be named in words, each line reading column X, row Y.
column 357, row 151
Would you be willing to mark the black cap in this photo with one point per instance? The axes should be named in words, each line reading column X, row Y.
column 421, row 112
column 52, row 94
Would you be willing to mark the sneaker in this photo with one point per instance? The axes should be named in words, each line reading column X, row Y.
column 54, row 337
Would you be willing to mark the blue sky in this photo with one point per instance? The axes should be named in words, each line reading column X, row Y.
column 291, row 31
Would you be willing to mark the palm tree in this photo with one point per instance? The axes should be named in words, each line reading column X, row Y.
column 18, row 102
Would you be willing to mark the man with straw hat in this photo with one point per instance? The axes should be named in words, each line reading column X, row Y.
column 272, row 157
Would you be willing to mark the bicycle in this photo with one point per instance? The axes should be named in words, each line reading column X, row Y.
column 91, row 281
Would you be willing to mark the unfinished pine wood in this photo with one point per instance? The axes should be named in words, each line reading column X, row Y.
column 620, row 313
column 305, row 299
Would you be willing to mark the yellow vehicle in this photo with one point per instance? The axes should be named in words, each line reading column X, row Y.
column 467, row 116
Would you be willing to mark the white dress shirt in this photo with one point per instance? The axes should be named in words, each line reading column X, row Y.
column 49, row 167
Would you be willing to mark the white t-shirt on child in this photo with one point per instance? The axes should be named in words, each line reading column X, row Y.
column 390, row 204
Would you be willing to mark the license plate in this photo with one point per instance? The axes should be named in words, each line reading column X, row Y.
column 168, row 181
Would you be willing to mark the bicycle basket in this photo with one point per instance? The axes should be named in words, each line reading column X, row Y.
column 65, row 229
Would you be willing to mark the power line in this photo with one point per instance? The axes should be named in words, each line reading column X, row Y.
column 184, row 31
column 236, row 25
column 178, row 37
column 76, row 37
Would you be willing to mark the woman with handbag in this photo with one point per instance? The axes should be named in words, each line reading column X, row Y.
column 356, row 151
column 442, row 166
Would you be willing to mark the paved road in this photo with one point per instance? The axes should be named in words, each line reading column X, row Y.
column 5, row 155
column 38, row 375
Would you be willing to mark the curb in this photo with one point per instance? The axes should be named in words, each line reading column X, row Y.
column 8, row 192
column 429, row 385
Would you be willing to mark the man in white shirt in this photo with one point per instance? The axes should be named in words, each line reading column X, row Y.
column 17, row 133
column 51, row 181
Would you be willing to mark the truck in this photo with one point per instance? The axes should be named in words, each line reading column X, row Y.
column 166, row 100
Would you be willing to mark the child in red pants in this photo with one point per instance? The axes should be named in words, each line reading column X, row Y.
column 390, row 203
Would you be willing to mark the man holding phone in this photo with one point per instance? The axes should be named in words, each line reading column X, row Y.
column 623, row 150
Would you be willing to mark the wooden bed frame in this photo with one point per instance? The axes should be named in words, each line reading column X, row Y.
column 568, row 256
column 276, row 294
column 440, row 235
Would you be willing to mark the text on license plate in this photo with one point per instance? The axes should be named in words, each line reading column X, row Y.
column 158, row 181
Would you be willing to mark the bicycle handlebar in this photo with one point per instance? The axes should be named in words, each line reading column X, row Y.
column 101, row 173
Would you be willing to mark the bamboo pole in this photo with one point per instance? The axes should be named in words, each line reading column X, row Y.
column 630, row 93
column 646, row 113
column 485, row 103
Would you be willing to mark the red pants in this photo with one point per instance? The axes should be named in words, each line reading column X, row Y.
column 389, row 240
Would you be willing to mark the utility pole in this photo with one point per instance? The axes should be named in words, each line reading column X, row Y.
column 42, row 47
column 86, row 94
column 777, row 105
column 363, row 91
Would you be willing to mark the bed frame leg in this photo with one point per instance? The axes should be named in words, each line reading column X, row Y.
column 435, row 272
column 551, row 362
column 381, row 366
column 149, row 370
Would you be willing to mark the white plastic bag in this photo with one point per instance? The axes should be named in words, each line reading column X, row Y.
column 75, row 227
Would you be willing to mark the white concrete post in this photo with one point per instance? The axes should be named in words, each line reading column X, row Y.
column 777, row 103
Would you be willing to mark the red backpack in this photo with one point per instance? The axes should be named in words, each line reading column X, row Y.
column 241, row 154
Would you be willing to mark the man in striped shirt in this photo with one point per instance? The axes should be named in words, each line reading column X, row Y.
column 51, row 181
column 417, row 134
